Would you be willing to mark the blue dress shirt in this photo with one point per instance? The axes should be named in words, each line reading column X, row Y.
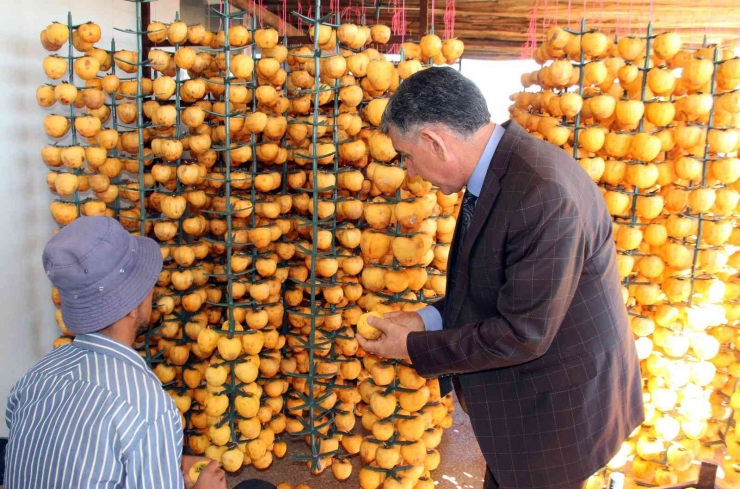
column 430, row 315
column 92, row 415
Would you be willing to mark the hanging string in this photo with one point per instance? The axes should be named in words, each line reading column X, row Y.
column 351, row 11
column 300, row 11
column 346, row 11
column 569, row 17
column 261, row 13
column 403, row 17
column 529, row 45
column 364, row 11
column 601, row 14
column 220, row 11
column 629, row 20
column 285, row 17
column 449, row 19
column 396, row 28
column 545, row 17
column 584, row 15
column 618, row 19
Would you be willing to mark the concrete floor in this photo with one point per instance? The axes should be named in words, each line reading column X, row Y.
column 462, row 465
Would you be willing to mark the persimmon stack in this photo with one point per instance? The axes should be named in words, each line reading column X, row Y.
column 365, row 242
column 657, row 127
column 283, row 214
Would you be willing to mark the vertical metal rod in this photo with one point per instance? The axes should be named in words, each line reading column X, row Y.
column 146, row 18
column 140, row 115
column 72, row 115
column 314, row 228
column 705, row 167
column 643, row 91
column 140, row 28
column 229, row 241
column 582, row 69
column 178, row 120
column 423, row 17
column 114, row 119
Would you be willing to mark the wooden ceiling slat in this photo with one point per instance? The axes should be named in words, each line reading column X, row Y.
column 497, row 29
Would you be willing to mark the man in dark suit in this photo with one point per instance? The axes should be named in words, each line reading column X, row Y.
column 533, row 330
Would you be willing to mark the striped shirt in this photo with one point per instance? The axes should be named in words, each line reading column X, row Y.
column 92, row 415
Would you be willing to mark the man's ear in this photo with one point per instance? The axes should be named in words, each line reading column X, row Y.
column 435, row 143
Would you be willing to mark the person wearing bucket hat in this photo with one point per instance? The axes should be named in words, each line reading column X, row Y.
column 91, row 414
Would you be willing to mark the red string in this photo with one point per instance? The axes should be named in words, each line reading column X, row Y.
column 449, row 19
column 405, row 24
column 545, row 17
column 310, row 13
column 601, row 14
column 285, row 17
column 395, row 18
column 261, row 12
column 584, row 15
column 395, row 24
column 350, row 12
column 569, row 5
column 530, row 45
column 221, row 11
column 629, row 18
column 300, row 11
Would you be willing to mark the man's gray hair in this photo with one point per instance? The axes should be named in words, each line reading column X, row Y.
column 433, row 97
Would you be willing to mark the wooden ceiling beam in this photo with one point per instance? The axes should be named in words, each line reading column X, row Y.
column 269, row 18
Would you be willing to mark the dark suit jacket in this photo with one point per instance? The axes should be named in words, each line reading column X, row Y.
column 536, row 327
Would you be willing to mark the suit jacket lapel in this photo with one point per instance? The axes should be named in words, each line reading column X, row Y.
column 484, row 205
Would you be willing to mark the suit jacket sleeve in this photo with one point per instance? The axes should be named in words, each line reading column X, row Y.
column 440, row 306
column 545, row 250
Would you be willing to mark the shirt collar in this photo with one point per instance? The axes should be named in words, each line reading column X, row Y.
column 475, row 184
column 104, row 345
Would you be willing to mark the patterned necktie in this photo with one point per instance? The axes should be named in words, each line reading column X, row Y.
column 465, row 216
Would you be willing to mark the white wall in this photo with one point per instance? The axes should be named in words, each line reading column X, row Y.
column 497, row 80
column 28, row 328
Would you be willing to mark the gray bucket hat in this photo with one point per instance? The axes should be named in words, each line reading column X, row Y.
column 101, row 271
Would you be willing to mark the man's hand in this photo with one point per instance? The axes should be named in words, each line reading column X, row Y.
column 190, row 460
column 412, row 320
column 392, row 342
column 212, row 476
